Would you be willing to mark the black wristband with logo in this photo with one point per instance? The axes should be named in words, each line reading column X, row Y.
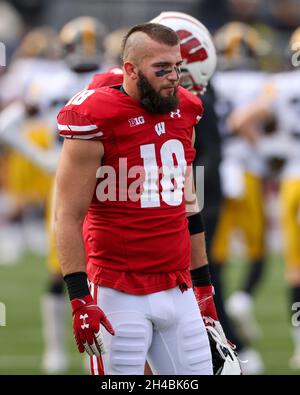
column 77, row 285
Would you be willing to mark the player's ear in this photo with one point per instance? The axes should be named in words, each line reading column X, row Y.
column 130, row 69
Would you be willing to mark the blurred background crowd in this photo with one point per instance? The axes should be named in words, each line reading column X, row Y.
column 274, row 18
column 255, row 108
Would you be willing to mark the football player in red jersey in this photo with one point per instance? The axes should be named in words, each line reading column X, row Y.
column 138, row 244
column 199, row 62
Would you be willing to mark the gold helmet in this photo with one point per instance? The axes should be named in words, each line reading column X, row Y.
column 113, row 46
column 41, row 42
column 83, row 42
column 239, row 46
column 294, row 43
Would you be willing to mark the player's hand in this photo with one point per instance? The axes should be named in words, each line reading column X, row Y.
column 205, row 300
column 87, row 317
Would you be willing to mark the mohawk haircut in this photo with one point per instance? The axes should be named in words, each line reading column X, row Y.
column 159, row 33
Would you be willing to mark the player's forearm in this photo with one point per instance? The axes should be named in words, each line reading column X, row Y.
column 197, row 235
column 13, row 114
column 11, row 120
column 70, row 244
column 44, row 159
column 198, row 251
column 243, row 121
column 75, row 186
column 201, row 278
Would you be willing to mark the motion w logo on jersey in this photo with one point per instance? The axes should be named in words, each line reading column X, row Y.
column 160, row 128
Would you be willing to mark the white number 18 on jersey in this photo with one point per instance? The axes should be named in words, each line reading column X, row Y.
column 172, row 181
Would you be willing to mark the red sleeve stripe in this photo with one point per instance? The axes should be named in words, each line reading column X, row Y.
column 75, row 128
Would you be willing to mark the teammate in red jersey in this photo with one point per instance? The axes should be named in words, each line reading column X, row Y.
column 112, row 77
column 136, row 233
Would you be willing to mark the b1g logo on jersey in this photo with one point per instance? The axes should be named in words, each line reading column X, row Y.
column 192, row 50
column 136, row 121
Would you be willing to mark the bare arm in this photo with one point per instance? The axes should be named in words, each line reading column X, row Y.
column 198, row 251
column 200, row 274
column 244, row 121
column 198, row 245
column 75, row 185
column 11, row 120
column 191, row 201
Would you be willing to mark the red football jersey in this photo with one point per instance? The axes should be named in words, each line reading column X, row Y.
column 113, row 76
column 136, row 232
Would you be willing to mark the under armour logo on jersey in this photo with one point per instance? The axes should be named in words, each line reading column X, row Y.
column 85, row 325
column 160, row 128
column 136, row 121
column 175, row 114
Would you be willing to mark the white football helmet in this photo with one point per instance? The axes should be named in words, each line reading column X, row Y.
column 197, row 49
column 224, row 358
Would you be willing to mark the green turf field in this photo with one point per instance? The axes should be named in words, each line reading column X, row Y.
column 271, row 310
column 21, row 344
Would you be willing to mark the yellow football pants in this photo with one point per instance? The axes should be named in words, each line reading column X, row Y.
column 25, row 182
column 245, row 214
column 290, row 221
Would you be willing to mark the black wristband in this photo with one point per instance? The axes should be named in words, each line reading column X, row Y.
column 201, row 276
column 77, row 285
column 196, row 223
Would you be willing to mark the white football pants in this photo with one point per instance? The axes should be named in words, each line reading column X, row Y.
column 166, row 328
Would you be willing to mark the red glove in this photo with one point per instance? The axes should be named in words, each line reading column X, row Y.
column 87, row 317
column 205, row 299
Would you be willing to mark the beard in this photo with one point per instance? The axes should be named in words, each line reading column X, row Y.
column 152, row 101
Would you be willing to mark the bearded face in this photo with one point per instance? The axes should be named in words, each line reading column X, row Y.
column 157, row 102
